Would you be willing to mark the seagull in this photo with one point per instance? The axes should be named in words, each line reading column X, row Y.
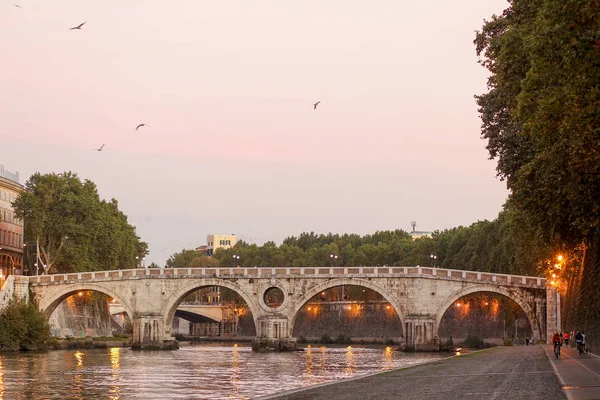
column 78, row 26
column 18, row 6
column 139, row 126
column 316, row 104
column 100, row 149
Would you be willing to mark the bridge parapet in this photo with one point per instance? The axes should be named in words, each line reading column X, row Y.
column 296, row 272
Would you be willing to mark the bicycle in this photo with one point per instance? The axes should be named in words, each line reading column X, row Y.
column 557, row 349
column 580, row 348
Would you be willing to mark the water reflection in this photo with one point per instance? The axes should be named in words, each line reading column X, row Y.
column 350, row 367
column 115, row 387
column 387, row 358
column 309, row 358
column 78, row 375
column 79, row 356
column 200, row 371
column 235, row 372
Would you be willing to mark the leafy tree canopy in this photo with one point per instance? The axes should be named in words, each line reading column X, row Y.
column 23, row 327
column 494, row 246
column 75, row 230
column 541, row 114
column 191, row 258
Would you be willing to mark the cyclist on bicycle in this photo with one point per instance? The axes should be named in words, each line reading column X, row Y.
column 580, row 340
column 557, row 341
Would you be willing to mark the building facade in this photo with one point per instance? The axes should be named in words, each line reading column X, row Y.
column 11, row 228
column 215, row 242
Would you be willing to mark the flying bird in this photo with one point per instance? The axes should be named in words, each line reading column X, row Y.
column 78, row 26
column 101, row 147
column 139, row 126
column 316, row 104
column 18, row 6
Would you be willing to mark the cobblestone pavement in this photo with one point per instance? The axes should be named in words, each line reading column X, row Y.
column 504, row 373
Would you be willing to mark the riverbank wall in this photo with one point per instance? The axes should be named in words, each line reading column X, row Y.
column 580, row 306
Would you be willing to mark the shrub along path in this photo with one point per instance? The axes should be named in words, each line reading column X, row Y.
column 518, row 372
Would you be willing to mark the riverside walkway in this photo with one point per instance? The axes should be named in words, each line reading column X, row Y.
column 504, row 373
column 578, row 375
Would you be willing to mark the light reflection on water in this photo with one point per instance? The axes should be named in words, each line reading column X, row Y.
column 201, row 372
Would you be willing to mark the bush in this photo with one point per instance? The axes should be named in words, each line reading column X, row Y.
column 390, row 342
column 301, row 339
column 473, row 342
column 326, row 339
column 343, row 339
column 23, row 327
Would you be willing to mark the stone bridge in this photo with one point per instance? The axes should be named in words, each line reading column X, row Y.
column 419, row 295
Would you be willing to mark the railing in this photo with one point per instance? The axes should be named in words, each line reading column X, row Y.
column 317, row 272
column 4, row 173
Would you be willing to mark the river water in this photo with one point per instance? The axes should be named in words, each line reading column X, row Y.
column 207, row 371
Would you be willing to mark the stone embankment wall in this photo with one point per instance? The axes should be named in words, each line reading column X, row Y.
column 581, row 303
column 81, row 317
column 349, row 319
column 486, row 316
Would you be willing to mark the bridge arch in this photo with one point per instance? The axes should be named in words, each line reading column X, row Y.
column 510, row 293
column 389, row 297
column 48, row 304
column 172, row 302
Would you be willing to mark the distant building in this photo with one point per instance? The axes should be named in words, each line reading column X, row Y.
column 11, row 228
column 215, row 242
column 414, row 234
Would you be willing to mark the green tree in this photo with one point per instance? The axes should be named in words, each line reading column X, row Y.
column 23, row 327
column 191, row 258
column 541, row 115
column 75, row 230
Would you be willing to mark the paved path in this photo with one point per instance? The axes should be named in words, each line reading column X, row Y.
column 506, row 373
column 578, row 375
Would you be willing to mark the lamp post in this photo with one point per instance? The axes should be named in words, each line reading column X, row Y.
column 236, row 260
column 333, row 258
column 433, row 258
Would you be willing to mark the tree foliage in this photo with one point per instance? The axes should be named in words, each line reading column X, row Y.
column 191, row 258
column 493, row 246
column 541, row 115
column 76, row 231
column 23, row 327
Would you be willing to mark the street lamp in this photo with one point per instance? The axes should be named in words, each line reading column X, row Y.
column 236, row 259
column 433, row 258
column 333, row 259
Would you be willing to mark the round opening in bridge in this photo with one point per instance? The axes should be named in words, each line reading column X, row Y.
column 273, row 297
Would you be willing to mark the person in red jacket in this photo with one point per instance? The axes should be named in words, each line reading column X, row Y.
column 566, row 338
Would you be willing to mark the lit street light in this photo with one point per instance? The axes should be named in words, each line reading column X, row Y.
column 433, row 260
column 236, row 259
column 333, row 259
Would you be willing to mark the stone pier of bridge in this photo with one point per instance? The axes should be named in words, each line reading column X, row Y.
column 419, row 295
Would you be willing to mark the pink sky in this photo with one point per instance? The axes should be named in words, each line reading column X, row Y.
column 233, row 144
